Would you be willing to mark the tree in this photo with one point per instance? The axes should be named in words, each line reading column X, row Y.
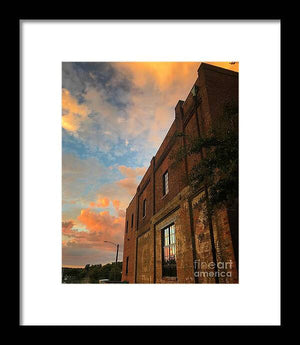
column 116, row 272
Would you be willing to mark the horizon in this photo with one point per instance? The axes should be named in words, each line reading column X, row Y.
column 79, row 266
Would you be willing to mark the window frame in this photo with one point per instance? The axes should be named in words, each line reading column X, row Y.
column 144, row 207
column 168, row 268
column 127, row 265
column 165, row 191
column 132, row 220
column 126, row 230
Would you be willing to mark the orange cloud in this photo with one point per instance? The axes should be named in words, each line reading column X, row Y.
column 160, row 85
column 96, row 221
column 130, row 183
column 101, row 202
column 67, row 227
column 121, row 213
column 116, row 204
column 73, row 112
column 104, row 202
column 132, row 172
column 99, row 227
column 163, row 74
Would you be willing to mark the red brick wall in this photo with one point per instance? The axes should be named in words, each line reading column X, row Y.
column 191, row 132
column 145, row 260
column 222, row 87
column 224, row 247
column 166, row 141
column 146, row 194
column 176, row 177
column 129, row 244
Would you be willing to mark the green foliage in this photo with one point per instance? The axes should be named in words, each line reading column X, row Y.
column 115, row 272
column 217, row 169
column 92, row 273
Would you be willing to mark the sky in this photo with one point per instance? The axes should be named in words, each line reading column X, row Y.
column 114, row 118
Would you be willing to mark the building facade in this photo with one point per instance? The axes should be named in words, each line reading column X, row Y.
column 166, row 239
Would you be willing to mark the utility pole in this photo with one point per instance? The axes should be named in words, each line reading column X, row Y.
column 117, row 245
column 116, row 262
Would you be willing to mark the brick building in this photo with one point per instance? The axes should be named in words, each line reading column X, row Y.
column 166, row 239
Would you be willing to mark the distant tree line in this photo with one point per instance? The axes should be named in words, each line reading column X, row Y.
column 91, row 274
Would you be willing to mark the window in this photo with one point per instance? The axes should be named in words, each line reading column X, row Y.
column 165, row 183
column 127, row 260
column 132, row 220
column 144, row 208
column 126, row 226
column 169, row 252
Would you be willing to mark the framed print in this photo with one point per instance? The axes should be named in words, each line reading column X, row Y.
column 150, row 171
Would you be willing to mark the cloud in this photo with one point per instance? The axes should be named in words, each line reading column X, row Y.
column 130, row 183
column 79, row 257
column 114, row 191
column 88, row 246
column 101, row 221
column 99, row 227
column 102, row 95
column 121, row 213
column 119, row 197
column 73, row 112
column 101, row 202
column 116, row 204
column 81, row 176
column 67, row 227
column 157, row 88
column 162, row 74
column 132, row 172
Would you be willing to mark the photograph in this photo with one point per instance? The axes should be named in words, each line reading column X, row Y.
column 150, row 172
column 151, row 168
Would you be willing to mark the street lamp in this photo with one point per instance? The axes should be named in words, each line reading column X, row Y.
column 117, row 245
